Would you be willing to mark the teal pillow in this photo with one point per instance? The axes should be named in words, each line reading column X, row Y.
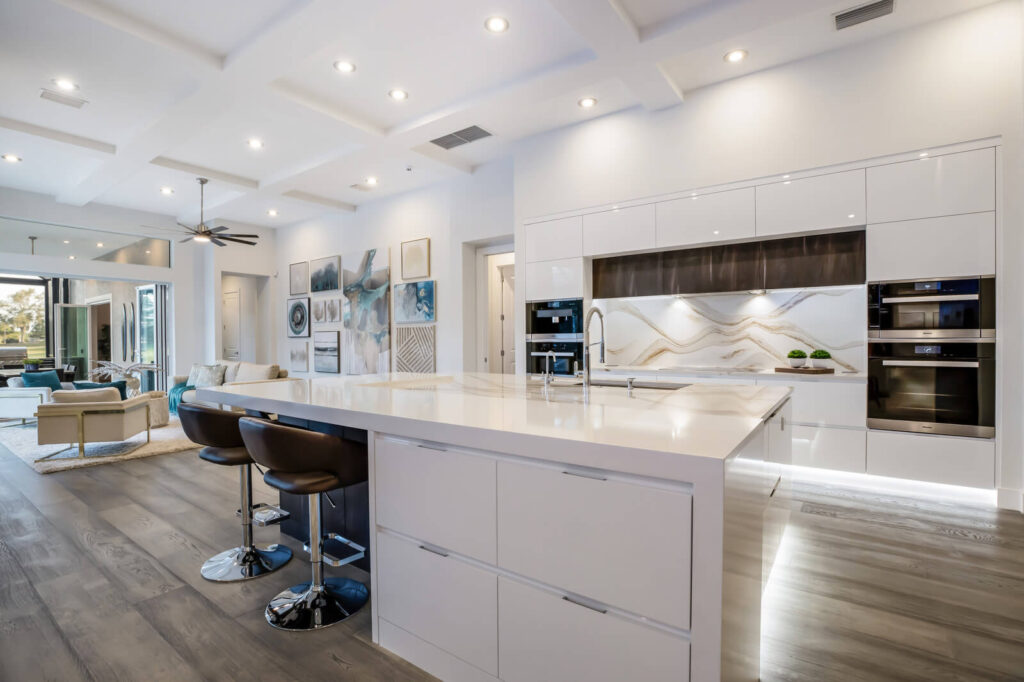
column 47, row 379
column 121, row 386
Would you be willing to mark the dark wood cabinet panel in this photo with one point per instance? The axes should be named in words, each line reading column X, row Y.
column 815, row 261
column 811, row 261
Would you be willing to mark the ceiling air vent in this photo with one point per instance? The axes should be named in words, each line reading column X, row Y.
column 60, row 98
column 461, row 137
column 858, row 15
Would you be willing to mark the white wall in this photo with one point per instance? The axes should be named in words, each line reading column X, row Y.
column 195, row 275
column 955, row 80
column 473, row 209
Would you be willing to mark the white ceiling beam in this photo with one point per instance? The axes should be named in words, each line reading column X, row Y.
column 210, row 173
column 57, row 135
column 322, row 201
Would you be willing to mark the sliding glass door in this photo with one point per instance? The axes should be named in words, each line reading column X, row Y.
column 151, row 335
column 72, row 338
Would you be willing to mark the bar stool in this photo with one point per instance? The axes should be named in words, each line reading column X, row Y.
column 218, row 431
column 308, row 463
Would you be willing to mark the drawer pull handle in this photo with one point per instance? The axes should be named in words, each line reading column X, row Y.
column 586, row 606
column 584, row 474
column 434, row 550
column 431, row 447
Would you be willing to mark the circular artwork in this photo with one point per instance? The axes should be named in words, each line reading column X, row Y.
column 298, row 318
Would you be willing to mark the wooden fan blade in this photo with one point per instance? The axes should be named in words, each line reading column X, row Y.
column 240, row 241
column 217, row 241
column 247, row 236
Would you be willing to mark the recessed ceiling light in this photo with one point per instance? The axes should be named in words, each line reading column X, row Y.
column 923, row 154
column 272, row 213
column 371, row 181
column 398, row 95
column 852, row 215
column 716, row 231
column 71, row 258
column 496, row 24
column 587, row 102
column 147, row 250
column 735, row 56
column 785, row 177
column 344, row 67
column 65, row 84
column 787, row 182
column 99, row 243
column 12, row 158
column 255, row 143
column 167, row 191
column 66, row 241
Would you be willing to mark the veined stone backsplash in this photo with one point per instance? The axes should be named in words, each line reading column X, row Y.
column 739, row 331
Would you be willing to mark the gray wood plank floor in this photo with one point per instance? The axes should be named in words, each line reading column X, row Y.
column 99, row 580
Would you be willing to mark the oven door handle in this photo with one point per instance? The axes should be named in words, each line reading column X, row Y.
column 930, row 363
column 563, row 354
column 930, row 299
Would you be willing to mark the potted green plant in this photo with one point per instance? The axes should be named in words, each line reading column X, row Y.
column 821, row 359
column 797, row 358
column 32, row 364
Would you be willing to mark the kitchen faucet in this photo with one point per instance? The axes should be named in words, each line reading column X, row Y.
column 587, row 344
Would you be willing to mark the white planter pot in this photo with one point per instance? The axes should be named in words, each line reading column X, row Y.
column 821, row 363
column 797, row 362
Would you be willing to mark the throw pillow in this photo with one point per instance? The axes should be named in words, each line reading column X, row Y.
column 231, row 371
column 47, row 379
column 121, row 386
column 248, row 371
column 206, row 375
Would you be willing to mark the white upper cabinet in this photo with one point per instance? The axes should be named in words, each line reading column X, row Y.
column 951, row 246
column 619, row 230
column 721, row 216
column 819, row 203
column 553, row 279
column 950, row 184
column 554, row 239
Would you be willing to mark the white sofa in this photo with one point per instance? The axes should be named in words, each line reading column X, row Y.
column 94, row 415
column 236, row 372
column 19, row 402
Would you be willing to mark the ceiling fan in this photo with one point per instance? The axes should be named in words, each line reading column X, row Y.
column 217, row 235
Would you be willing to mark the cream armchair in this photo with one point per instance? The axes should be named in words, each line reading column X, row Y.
column 91, row 416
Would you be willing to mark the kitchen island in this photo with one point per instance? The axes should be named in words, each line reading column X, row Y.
column 524, row 532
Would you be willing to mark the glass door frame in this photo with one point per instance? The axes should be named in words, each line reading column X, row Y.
column 59, row 361
column 157, row 379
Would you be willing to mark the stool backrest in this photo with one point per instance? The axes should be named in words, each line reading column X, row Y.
column 210, row 426
column 288, row 449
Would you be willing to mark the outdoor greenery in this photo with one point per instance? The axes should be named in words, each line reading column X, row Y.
column 797, row 354
column 820, row 355
column 22, row 319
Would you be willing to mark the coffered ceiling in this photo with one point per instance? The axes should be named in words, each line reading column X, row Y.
column 173, row 90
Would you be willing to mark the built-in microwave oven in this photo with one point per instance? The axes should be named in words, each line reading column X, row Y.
column 561, row 319
column 932, row 309
column 561, row 358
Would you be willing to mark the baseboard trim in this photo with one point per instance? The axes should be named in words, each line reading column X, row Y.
column 1008, row 498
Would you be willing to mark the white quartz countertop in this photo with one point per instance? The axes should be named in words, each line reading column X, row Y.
column 517, row 415
column 638, row 371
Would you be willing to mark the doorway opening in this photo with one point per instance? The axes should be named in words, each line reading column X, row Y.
column 496, row 310
column 245, row 319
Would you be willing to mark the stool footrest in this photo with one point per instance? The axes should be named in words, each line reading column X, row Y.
column 264, row 514
column 330, row 560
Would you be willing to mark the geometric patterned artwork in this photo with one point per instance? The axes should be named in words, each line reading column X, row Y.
column 415, row 349
column 366, row 312
column 737, row 331
column 414, row 302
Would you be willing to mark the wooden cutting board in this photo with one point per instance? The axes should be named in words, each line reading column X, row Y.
column 806, row 370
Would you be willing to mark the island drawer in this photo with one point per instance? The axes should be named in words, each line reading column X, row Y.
column 544, row 636
column 440, row 599
column 588, row 533
column 443, row 497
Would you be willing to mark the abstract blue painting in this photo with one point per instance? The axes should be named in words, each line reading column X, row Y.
column 324, row 274
column 414, row 302
column 366, row 316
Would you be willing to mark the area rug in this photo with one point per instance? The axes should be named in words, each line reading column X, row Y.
column 21, row 440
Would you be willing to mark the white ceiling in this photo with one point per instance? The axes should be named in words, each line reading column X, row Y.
column 175, row 89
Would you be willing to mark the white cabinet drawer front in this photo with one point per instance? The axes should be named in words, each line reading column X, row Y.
column 625, row 229
column 706, row 218
column 952, row 246
column 819, row 203
column 545, row 638
column 444, row 498
column 939, row 459
column 818, row 446
column 549, row 280
column 780, row 438
column 830, row 404
column 589, row 536
column 554, row 239
column 442, row 600
column 964, row 182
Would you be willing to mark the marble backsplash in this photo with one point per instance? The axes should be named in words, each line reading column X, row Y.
column 739, row 331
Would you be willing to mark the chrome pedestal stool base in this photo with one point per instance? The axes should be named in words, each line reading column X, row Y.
column 302, row 607
column 240, row 563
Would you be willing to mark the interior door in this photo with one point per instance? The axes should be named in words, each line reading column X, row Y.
column 230, row 316
column 71, row 337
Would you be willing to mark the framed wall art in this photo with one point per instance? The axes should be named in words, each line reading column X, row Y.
column 298, row 278
column 416, row 258
column 297, row 315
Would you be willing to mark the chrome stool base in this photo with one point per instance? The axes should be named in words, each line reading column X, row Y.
column 301, row 608
column 240, row 564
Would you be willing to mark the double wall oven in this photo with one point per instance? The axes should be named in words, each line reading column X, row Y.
column 554, row 336
column 931, row 356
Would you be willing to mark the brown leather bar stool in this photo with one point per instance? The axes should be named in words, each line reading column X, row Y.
column 308, row 463
column 218, row 431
